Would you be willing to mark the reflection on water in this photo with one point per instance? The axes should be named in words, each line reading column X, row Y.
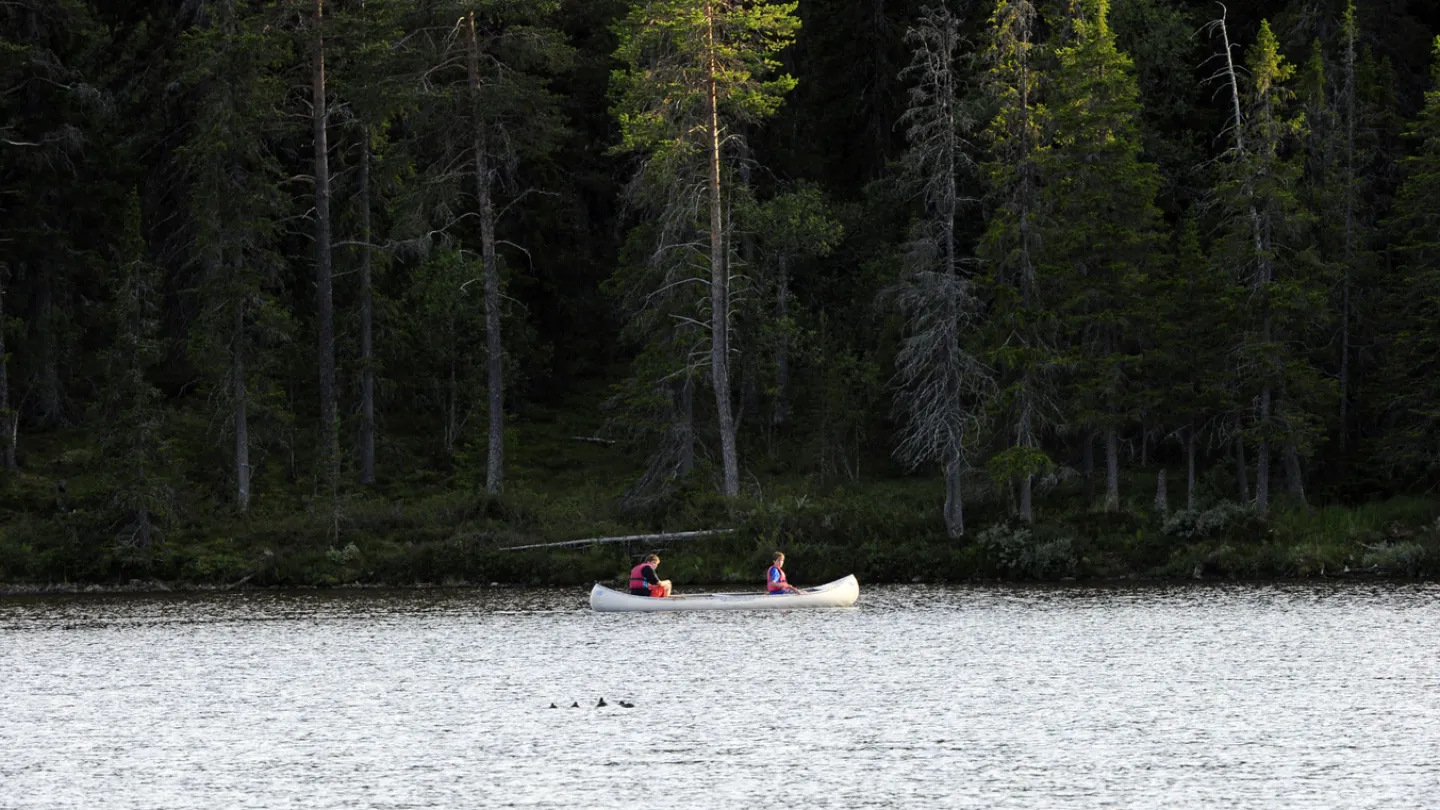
column 1236, row 696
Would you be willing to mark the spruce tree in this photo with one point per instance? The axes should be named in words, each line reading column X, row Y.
column 1264, row 243
column 231, row 175
column 1411, row 370
column 1021, row 330
column 133, row 439
column 1101, row 225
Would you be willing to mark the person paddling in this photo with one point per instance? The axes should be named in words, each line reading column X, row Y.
column 775, row 582
column 645, row 582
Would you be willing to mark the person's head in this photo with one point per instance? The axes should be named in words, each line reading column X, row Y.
column 653, row 559
column 779, row 558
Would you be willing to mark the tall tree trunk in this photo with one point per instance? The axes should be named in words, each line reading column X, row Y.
column 51, row 396
column 1262, row 462
column 782, row 349
column 452, row 411
column 495, row 359
column 8, row 434
column 1112, row 471
column 1027, row 486
column 954, row 500
column 719, row 278
column 325, row 298
column 1162, row 494
column 1242, row 471
column 1294, row 476
column 242, row 421
column 367, row 314
column 1190, row 469
column 1144, row 443
column 1349, row 225
column 1087, row 464
column 687, row 426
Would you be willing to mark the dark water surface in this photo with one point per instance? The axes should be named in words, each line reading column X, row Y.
column 1231, row 696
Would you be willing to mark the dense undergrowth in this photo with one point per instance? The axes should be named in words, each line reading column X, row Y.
column 432, row 526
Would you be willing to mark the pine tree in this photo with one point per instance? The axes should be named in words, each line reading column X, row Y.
column 1101, row 224
column 693, row 71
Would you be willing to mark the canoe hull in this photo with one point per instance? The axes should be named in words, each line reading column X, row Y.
column 838, row 594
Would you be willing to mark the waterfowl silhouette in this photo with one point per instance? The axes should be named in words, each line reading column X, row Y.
column 601, row 704
column 625, row 705
column 575, row 705
column 553, row 706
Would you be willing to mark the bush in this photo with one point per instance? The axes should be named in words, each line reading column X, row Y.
column 1019, row 552
column 1221, row 520
column 1408, row 559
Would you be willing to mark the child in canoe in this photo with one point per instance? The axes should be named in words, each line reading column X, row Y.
column 775, row 582
column 645, row 582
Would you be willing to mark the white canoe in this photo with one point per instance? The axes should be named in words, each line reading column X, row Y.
column 840, row 593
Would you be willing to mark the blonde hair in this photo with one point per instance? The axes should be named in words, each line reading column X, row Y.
column 653, row 558
column 777, row 556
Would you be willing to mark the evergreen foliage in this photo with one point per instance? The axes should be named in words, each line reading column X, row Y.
column 299, row 272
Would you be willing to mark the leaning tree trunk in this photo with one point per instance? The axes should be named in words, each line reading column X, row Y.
column 495, row 360
column 367, row 314
column 324, row 293
column 719, row 282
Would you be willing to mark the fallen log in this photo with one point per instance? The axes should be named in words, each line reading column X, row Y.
column 626, row 538
column 593, row 440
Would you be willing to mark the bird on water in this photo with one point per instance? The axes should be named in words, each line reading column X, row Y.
column 625, row 705
column 602, row 704
column 575, row 705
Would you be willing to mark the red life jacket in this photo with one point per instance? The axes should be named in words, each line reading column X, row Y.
column 637, row 576
column 773, row 585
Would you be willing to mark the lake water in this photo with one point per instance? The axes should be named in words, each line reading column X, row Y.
column 1205, row 696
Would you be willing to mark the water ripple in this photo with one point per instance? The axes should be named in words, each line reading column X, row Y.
column 1237, row 696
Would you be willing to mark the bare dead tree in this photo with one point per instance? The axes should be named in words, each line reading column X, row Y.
column 940, row 385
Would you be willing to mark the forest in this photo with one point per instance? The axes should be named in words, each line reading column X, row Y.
column 320, row 292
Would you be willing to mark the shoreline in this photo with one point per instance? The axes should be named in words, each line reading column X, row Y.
column 155, row 587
